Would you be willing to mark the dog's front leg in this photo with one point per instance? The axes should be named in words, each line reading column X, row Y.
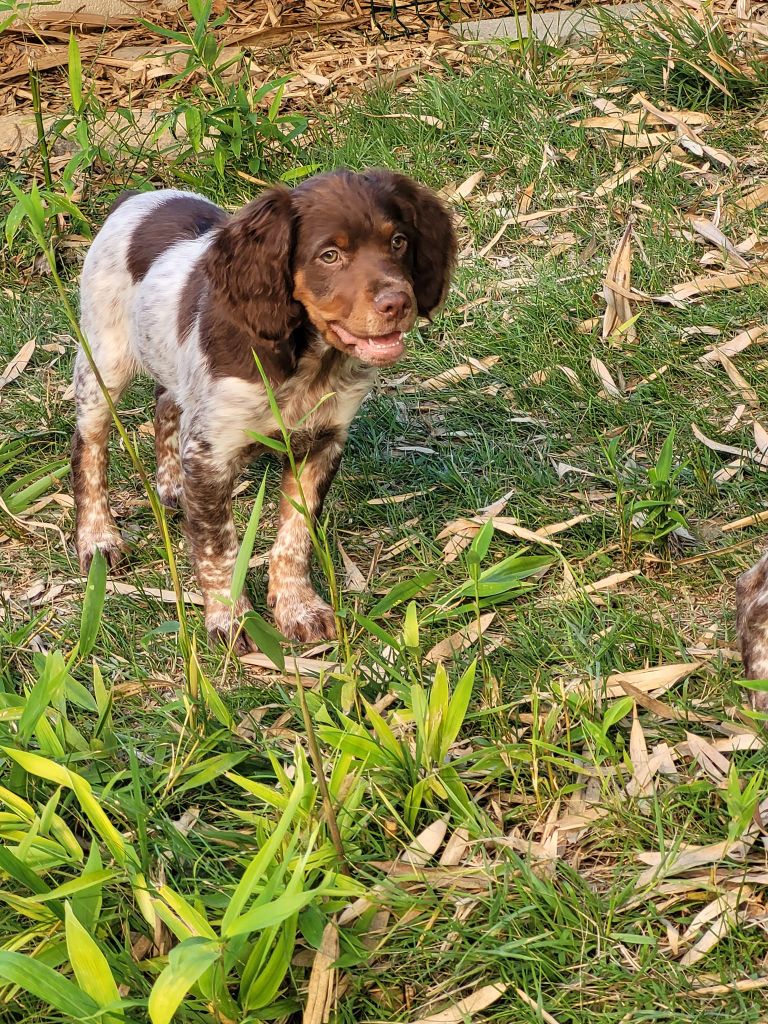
column 207, row 499
column 300, row 613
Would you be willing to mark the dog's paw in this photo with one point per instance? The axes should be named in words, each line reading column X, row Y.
column 108, row 541
column 224, row 625
column 304, row 617
column 169, row 492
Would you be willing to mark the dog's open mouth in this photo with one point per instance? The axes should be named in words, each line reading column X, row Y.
column 380, row 350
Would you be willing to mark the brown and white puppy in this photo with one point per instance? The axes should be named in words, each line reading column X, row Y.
column 320, row 282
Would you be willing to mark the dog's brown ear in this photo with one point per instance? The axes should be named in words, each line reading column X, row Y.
column 434, row 238
column 249, row 265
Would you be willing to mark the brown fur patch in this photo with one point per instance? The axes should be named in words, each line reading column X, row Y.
column 249, row 306
column 176, row 219
column 190, row 303
column 168, row 459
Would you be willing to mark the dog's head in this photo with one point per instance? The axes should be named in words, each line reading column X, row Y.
column 362, row 255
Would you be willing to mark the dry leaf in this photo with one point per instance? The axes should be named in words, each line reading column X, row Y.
column 688, row 138
column 610, row 582
column 397, row 499
column 467, row 187
column 321, row 991
column 713, row 763
column 553, row 528
column 166, row 596
column 641, row 783
column 511, row 527
column 659, row 158
column 525, row 198
column 646, row 680
column 728, row 472
column 752, row 199
column 420, row 852
column 455, row 849
column 460, row 540
column 642, row 140
column 724, row 902
column 587, row 326
column 737, row 344
column 747, row 392
column 425, row 845
column 742, row 985
column 18, row 364
column 459, row 1012
column 712, row 234
column 717, row 446
column 725, row 909
column 736, row 418
column 546, row 1017
column 496, row 507
column 761, row 442
column 354, row 581
column 618, row 312
column 740, row 524
column 661, row 710
column 686, row 858
column 541, row 376
column 293, row 666
column 707, row 285
column 459, row 373
column 521, row 218
column 610, row 386
column 459, row 641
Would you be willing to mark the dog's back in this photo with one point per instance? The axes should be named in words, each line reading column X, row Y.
column 141, row 228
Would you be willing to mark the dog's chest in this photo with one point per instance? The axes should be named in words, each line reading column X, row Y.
column 324, row 393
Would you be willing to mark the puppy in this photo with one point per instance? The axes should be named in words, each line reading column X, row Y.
column 321, row 283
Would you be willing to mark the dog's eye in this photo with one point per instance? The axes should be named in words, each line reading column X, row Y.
column 399, row 243
column 329, row 255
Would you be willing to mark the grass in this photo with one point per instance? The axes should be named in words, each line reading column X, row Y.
column 563, row 920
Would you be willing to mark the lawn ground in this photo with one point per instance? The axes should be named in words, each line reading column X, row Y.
column 590, row 845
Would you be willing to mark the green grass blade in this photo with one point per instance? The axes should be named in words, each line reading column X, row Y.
column 266, row 637
column 186, row 963
column 93, row 603
column 246, row 547
column 402, row 592
column 47, row 985
column 91, row 968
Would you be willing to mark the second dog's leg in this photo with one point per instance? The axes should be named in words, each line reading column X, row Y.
column 752, row 626
column 207, row 502
column 167, row 415
column 95, row 529
column 300, row 613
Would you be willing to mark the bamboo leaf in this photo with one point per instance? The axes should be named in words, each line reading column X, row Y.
column 246, row 547
column 47, row 985
column 186, row 963
column 93, row 603
column 90, row 965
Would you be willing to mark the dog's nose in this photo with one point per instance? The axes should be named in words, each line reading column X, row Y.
column 392, row 304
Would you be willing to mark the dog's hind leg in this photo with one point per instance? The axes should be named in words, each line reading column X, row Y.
column 207, row 501
column 167, row 416
column 95, row 529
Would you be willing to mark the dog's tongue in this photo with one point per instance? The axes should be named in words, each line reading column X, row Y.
column 383, row 348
